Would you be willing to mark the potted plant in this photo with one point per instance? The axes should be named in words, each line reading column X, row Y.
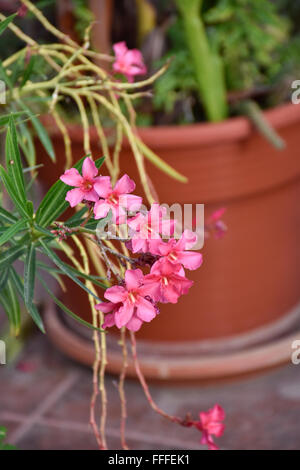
column 132, row 294
column 232, row 64
column 227, row 164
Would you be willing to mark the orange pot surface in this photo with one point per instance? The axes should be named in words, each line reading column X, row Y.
column 250, row 277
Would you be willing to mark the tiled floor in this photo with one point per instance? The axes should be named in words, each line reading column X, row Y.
column 45, row 405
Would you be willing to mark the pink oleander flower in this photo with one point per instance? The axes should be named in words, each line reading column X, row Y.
column 167, row 282
column 210, row 425
column 84, row 185
column 116, row 199
column 175, row 252
column 128, row 62
column 130, row 305
column 146, row 229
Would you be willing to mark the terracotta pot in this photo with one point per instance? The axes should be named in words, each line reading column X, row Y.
column 250, row 278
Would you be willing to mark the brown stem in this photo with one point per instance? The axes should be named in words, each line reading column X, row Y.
column 183, row 422
column 122, row 391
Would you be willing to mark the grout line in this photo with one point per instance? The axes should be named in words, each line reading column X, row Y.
column 28, row 422
column 80, row 427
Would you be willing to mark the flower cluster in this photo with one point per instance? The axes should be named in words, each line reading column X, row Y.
column 135, row 300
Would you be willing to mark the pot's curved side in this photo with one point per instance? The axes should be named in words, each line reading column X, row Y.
column 250, row 277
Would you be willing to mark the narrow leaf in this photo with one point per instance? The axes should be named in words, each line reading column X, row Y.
column 12, row 231
column 32, row 310
column 11, row 190
column 10, row 302
column 4, row 23
column 41, row 132
column 6, row 216
column 13, row 160
column 10, row 255
column 64, row 268
column 67, row 310
column 29, row 275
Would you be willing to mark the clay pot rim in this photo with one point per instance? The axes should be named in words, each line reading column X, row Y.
column 204, row 134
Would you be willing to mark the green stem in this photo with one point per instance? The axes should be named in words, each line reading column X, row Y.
column 207, row 64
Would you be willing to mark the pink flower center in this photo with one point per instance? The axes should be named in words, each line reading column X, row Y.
column 87, row 185
column 113, row 199
column 132, row 297
column 172, row 256
column 165, row 280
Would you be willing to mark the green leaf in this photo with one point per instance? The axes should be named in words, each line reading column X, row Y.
column 7, row 217
column 32, row 310
column 11, row 190
column 90, row 277
column 77, row 218
column 11, row 305
column 13, row 160
column 10, row 255
column 12, row 231
column 4, row 23
column 64, row 268
column 54, row 203
column 29, row 275
column 6, row 117
column 26, row 143
column 28, row 71
column 41, row 132
column 67, row 310
column 3, row 278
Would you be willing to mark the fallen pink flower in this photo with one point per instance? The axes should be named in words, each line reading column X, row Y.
column 116, row 199
column 210, row 425
column 128, row 62
column 128, row 305
column 146, row 229
column 175, row 251
column 167, row 282
column 84, row 185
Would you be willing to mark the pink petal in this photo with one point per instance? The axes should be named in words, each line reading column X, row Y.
column 115, row 294
column 151, row 287
column 89, row 169
column 169, row 294
column 72, row 177
column 124, row 314
column 190, row 259
column 109, row 320
column 105, row 307
column 101, row 209
column 131, row 202
column 120, row 49
column 217, row 413
column 91, row 196
column 145, row 310
column 134, row 323
column 75, row 196
column 103, row 186
column 133, row 278
column 139, row 244
column 124, row 185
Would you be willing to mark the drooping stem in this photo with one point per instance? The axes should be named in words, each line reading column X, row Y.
column 122, row 390
column 186, row 422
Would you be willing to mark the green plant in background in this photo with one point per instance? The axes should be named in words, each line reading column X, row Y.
column 222, row 47
column 3, row 445
column 207, row 64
